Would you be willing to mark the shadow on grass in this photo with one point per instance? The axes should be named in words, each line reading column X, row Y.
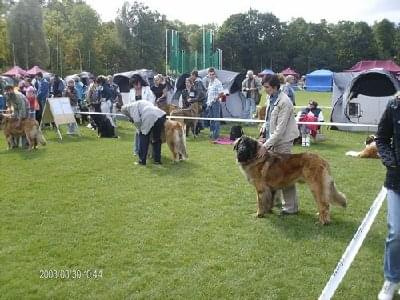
column 305, row 226
column 25, row 154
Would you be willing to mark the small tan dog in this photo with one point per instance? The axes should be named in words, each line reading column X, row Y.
column 174, row 136
column 370, row 150
column 176, row 139
column 27, row 127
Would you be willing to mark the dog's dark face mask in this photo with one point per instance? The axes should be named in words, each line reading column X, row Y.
column 246, row 149
column 369, row 139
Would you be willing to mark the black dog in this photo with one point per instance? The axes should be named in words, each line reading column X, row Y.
column 104, row 127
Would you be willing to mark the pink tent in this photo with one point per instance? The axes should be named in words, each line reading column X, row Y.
column 35, row 70
column 14, row 71
column 388, row 65
column 289, row 71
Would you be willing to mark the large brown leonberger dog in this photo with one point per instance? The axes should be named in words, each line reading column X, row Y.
column 27, row 127
column 275, row 171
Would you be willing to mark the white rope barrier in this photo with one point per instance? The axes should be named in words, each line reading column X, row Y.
column 243, row 120
column 353, row 248
column 301, row 106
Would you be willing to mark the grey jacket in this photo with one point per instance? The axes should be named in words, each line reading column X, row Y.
column 282, row 122
column 254, row 94
column 143, row 114
column 19, row 105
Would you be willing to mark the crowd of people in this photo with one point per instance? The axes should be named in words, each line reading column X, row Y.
column 101, row 94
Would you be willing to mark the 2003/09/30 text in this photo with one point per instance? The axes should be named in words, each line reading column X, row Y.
column 71, row 274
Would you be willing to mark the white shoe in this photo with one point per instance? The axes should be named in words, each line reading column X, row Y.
column 388, row 290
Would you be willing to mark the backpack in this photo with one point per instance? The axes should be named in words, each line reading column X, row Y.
column 236, row 132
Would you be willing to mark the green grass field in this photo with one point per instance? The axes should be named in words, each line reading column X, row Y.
column 176, row 231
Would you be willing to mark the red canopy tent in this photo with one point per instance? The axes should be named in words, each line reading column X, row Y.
column 388, row 65
column 289, row 71
column 14, row 71
column 34, row 70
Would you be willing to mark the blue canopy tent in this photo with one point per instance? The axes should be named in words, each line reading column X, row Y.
column 319, row 81
column 265, row 72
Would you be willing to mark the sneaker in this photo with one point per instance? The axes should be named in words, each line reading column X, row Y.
column 388, row 290
column 140, row 163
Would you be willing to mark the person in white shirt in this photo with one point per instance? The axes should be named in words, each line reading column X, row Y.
column 214, row 93
column 140, row 91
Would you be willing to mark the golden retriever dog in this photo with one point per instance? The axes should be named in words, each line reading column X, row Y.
column 28, row 128
column 275, row 171
column 174, row 136
column 370, row 150
column 192, row 111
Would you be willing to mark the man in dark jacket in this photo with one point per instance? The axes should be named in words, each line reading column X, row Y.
column 388, row 143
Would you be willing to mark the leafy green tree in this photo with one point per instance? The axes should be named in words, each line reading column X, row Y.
column 25, row 30
column 4, row 46
column 353, row 42
column 71, row 28
column 146, row 40
column 251, row 41
column 384, row 32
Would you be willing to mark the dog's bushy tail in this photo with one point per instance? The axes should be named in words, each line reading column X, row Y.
column 353, row 153
column 336, row 196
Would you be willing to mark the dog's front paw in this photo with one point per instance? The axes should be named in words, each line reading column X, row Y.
column 260, row 215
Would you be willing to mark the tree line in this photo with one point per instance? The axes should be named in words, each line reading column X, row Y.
column 67, row 36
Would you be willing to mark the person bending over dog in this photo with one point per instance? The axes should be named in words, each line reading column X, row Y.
column 149, row 120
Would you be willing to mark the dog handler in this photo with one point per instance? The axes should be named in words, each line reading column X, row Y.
column 388, row 143
column 17, row 103
column 280, row 130
column 149, row 120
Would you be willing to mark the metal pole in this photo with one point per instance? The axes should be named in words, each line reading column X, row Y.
column 166, row 52
column 182, row 58
column 13, row 50
column 220, row 58
column 80, row 58
column 61, row 66
column 204, row 48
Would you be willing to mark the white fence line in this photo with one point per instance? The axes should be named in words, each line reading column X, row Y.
column 243, row 120
column 353, row 248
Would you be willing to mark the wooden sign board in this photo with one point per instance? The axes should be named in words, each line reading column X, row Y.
column 59, row 111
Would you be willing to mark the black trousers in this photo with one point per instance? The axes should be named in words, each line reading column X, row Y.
column 144, row 140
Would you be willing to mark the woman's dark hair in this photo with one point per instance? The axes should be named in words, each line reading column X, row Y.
column 272, row 80
column 101, row 79
column 137, row 78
